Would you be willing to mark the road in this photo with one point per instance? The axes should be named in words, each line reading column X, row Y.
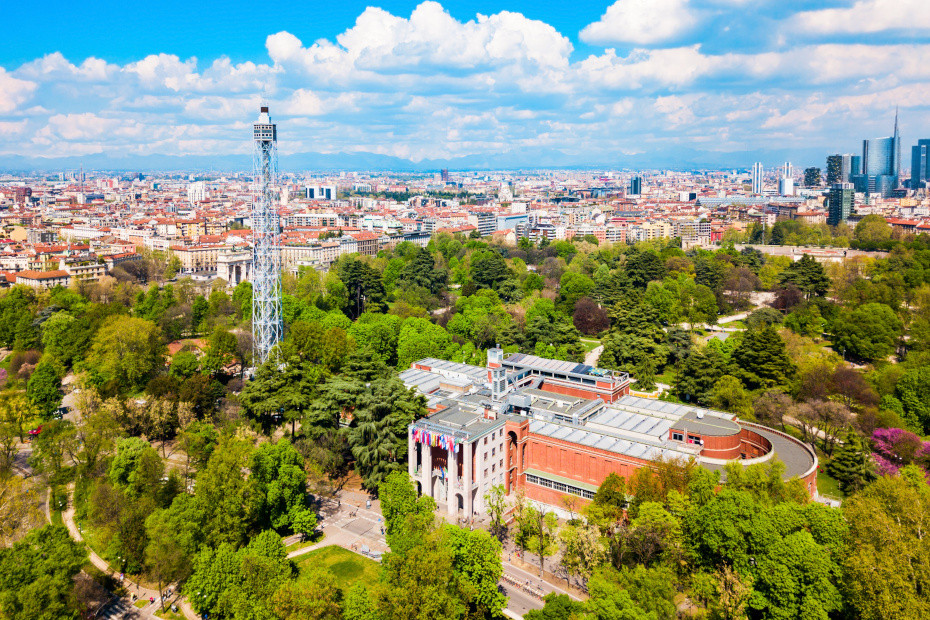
column 521, row 601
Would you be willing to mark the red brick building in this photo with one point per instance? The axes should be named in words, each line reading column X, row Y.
column 553, row 428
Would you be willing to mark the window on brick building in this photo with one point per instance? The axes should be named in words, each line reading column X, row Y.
column 678, row 436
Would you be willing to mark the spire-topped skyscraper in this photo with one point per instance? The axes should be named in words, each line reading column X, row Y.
column 881, row 164
column 897, row 151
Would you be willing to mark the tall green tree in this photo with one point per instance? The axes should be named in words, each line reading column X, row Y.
column 868, row 332
column 378, row 434
column 852, row 464
column 886, row 570
column 36, row 575
column 363, row 285
column 44, row 387
column 808, row 275
column 761, row 359
column 127, row 351
column 230, row 498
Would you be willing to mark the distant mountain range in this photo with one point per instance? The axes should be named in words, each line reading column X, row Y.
column 666, row 159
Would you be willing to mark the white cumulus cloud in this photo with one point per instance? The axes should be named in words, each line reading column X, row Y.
column 868, row 16
column 14, row 91
column 642, row 22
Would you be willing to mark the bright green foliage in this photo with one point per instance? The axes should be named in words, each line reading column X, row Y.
column 872, row 229
column 806, row 320
column 887, row 567
column 913, row 391
column 480, row 318
column 126, row 351
column 556, row 607
column 136, row 467
column 610, row 600
column 183, row 365
column 449, row 572
column 476, row 561
column 418, row 339
column 572, row 287
column 13, row 306
column 277, row 469
column 240, row 584
column 231, row 500
column 730, row 395
column 44, row 387
column 313, row 596
column 178, row 528
column 797, row 578
column 404, row 513
column 26, row 334
column 221, row 352
column 65, row 337
column 50, row 449
column 153, row 304
column 764, row 481
column 867, row 332
column 36, row 575
column 379, row 332
column 358, row 604
column 728, row 530
column 583, row 551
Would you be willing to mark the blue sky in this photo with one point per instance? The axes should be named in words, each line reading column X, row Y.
column 594, row 80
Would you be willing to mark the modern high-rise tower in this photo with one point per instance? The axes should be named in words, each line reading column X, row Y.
column 840, row 203
column 267, row 327
column 881, row 164
column 840, row 168
column 757, row 178
column 920, row 164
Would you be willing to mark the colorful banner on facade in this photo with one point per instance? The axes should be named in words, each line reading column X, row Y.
column 431, row 438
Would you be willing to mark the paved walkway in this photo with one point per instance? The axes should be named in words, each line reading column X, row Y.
column 593, row 355
column 122, row 607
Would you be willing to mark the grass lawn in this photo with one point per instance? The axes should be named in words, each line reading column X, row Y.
column 667, row 377
column 590, row 345
column 828, row 487
column 141, row 603
column 737, row 324
column 300, row 545
column 348, row 568
column 170, row 615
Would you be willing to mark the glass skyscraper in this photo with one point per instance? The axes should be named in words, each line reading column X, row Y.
column 881, row 164
column 920, row 164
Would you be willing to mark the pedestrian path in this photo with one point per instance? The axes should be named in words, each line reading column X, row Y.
column 122, row 607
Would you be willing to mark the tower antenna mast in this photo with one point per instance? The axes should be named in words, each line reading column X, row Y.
column 267, row 326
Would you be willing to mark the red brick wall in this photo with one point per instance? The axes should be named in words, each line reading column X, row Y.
column 753, row 445
column 721, row 447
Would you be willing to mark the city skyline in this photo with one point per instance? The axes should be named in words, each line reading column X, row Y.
column 678, row 82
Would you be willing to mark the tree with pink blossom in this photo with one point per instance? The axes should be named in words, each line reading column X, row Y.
column 894, row 448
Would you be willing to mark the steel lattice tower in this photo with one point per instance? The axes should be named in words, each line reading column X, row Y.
column 266, row 252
